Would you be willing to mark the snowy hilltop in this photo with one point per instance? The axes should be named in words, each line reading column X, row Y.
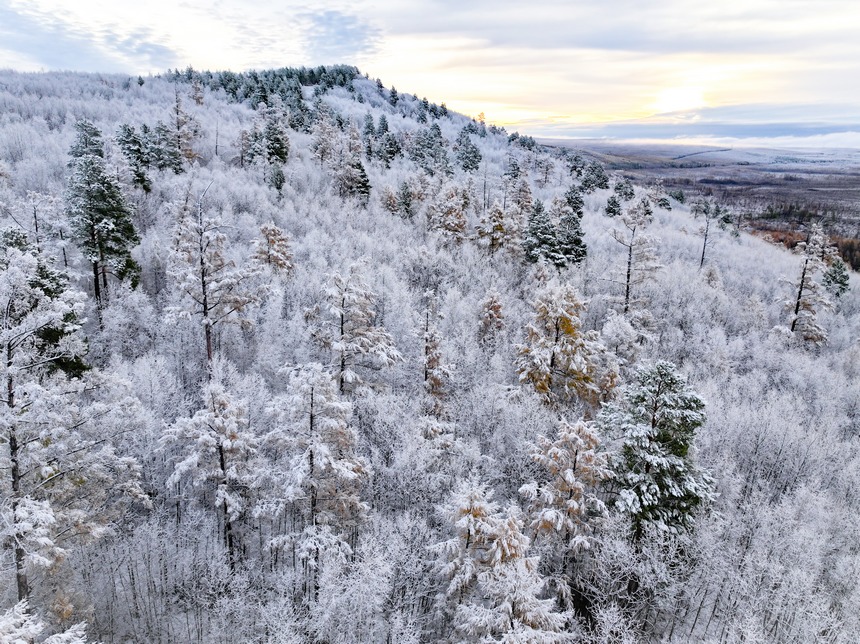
column 290, row 356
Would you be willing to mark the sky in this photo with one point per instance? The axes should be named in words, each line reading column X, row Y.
column 726, row 69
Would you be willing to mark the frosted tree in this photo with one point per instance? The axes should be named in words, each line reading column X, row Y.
column 437, row 372
column 809, row 295
column 184, row 130
column 594, row 177
column 835, row 279
column 217, row 448
column 641, row 257
column 61, row 476
column 468, row 154
column 569, row 235
column 495, row 230
column 711, row 214
column 492, row 318
column 214, row 288
column 494, row 586
column 565, row 506
column 99, row 215
column 447, row 213
column 324, row 137
column 659, row 483
column 273, row 250
column 134, row 147
column 19, row 626
column 323, row 476
column 349, row 329
column 541, row 241
column 559, row 359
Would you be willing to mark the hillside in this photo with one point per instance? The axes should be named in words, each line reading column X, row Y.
column 293, row 358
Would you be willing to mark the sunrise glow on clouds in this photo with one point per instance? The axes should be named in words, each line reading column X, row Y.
column 762, row 67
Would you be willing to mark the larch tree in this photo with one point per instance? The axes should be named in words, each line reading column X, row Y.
column 437, row 372
column 659, row 484
column 809, row 296
column 99, row 216
column 322, row 476
column 349, row 329
column 565, row 506
column 641, row 259
column 711, row 214
column 217, row 448
column 447, row 213
column 494, row 587
column 495, row 230
column 273, row 250
column 559, row 359
column 214, row 288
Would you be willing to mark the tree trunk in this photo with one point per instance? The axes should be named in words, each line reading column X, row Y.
column 629, row 272
column 15, row 470
column 799, row 294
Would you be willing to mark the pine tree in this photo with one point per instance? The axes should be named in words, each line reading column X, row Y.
column 468, row 154
column 560, row 360
column 350, row 332
column 613, row 207
column 624, row 190
column 594, row 178
column 134, row 149
column 99, row 216
column 571, row 245
column 656, row 418
column 835, row 279
column 541, row 241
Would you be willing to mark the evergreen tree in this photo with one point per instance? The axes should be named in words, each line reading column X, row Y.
column 624, row 190
column 656, row 418
column 134, row 149
column 835, row 279
column 594, row 178
column 468, row 153
column 98, row 214
column 571, row 245
column 613, row 207
column 541, row 241
column 63, row 481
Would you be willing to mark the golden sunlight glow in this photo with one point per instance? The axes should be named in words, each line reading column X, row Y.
column 679, row 99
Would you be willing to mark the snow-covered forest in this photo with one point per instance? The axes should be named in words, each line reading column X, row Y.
column 291, row 357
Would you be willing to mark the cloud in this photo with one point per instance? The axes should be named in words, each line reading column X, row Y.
column 337, row 37
column 60, row 42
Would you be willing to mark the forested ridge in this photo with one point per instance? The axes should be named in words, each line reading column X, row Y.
column 289, row 356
